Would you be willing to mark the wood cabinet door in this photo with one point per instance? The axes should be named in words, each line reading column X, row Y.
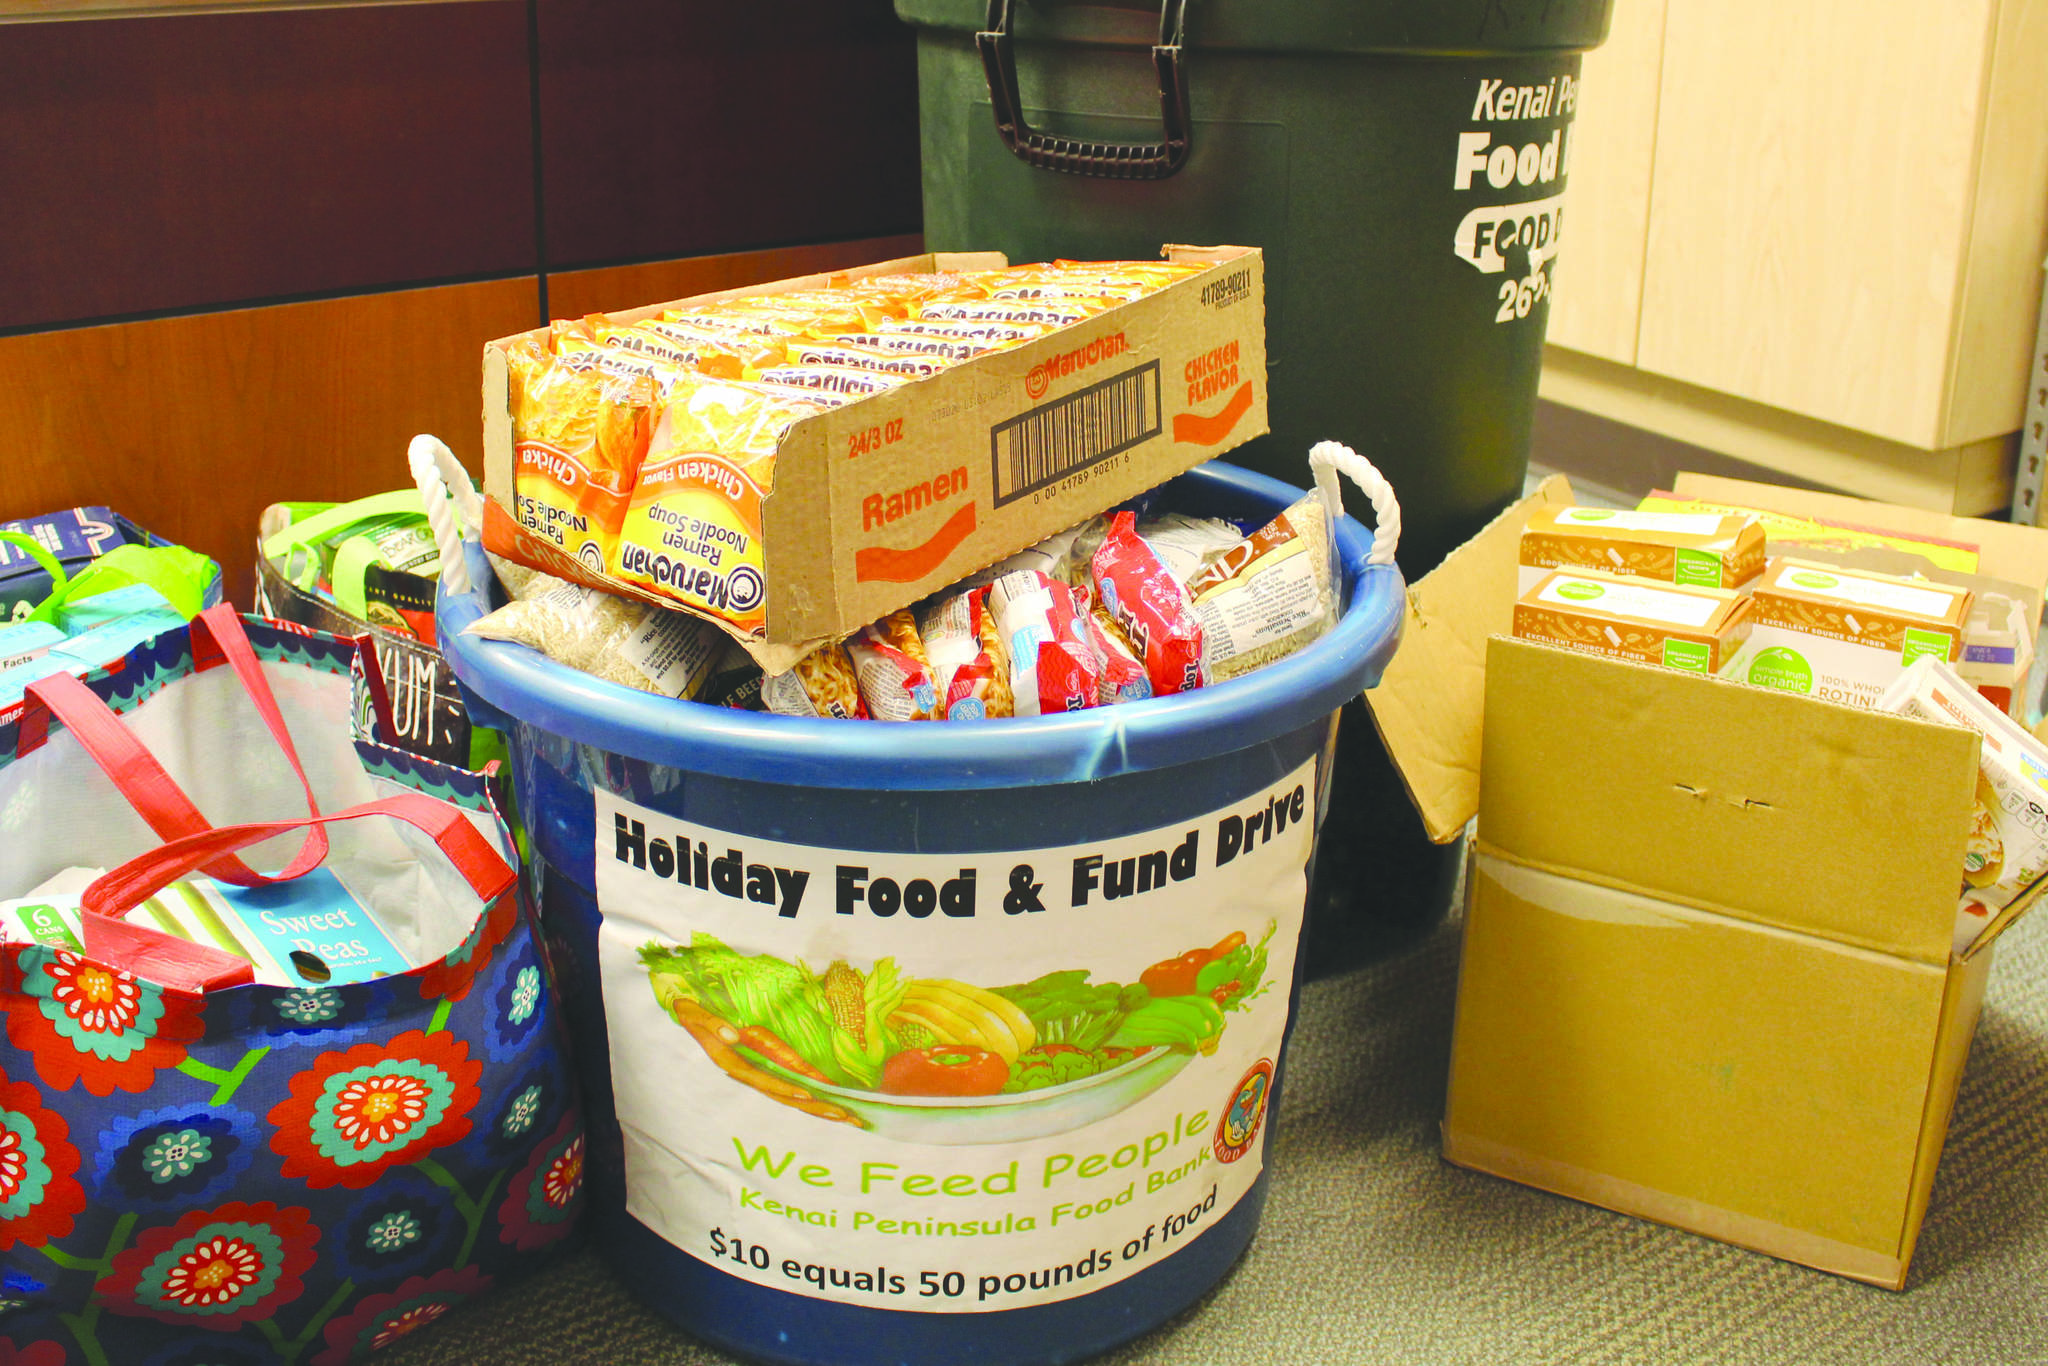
column 1810, row 205
column 1597, row 299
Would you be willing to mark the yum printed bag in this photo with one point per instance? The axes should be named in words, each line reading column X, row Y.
column 222, row 1139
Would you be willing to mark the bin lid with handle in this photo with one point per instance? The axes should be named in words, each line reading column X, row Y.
column 1414, row 28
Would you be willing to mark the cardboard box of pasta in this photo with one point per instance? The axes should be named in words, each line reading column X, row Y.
column 1700, row 549
column 1846, row 635
column 1696, row 629
column 1709, row 974
column 871, row 505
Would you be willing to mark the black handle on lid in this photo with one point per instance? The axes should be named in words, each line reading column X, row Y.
column 1114, row 160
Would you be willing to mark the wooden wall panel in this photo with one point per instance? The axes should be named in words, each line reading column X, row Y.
column 571, row 294
column 1824, row 284
column 685, row 127
column 192, row 425
column 1993, row 353
column 1599, row 292
column 156, row 164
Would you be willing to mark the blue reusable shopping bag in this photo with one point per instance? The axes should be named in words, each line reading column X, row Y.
column 294, row 1173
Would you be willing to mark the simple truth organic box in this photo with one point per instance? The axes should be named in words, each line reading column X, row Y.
column 1707, row 974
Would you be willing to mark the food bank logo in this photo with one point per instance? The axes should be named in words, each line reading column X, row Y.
column 1241, row 1118
column 1069, row 362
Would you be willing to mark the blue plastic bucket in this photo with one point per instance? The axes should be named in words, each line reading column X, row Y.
column 755, row 792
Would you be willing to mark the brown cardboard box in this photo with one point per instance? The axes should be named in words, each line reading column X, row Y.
column 1713, row 550
column 876, row 504
column 1623, row 617
column 1707, row 974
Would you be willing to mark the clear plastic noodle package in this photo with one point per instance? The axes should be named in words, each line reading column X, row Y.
column 823, row 684
column 616, row 639
column 1043, row 622
column 1268, row 595
column 893, row 670
column 970, row 667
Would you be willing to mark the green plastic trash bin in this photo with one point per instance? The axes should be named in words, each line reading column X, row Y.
column 1402, row 163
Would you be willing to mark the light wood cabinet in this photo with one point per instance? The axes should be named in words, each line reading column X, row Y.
column 1811, row 236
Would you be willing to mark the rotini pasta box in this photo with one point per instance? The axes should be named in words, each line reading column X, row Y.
column 798, row 459
column 1711, row 974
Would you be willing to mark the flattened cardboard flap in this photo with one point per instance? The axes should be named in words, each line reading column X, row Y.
column 1765, row 806
column 1428, row 705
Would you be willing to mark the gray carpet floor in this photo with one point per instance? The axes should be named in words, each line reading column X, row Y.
column 1373, row 1250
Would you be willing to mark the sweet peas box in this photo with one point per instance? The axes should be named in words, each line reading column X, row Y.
column 1707, row 975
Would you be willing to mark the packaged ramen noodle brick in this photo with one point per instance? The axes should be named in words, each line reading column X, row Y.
column 692, row 529
column 893, row 671
column 579, row 437
column 913, row 344
column 1139, row 591
column 1048, row 313
column 910, row 290
column 845, row 380
column 1044, row 626
column 724, row 353
column 970, row 667
column 619, row 640
column 822, row 684
column 996, row 335
column 1268, row 595
column 858, row 358
column 2006, row 851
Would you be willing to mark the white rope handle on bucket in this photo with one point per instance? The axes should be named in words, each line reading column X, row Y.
column 452, row 505
column 1327, row 458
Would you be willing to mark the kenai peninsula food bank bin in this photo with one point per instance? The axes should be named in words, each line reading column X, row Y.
column 966, row 869
column 1403, row 166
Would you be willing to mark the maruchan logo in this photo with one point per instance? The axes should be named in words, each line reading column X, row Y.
column 1232, row 288
column 1080, row 358
column 737, row 589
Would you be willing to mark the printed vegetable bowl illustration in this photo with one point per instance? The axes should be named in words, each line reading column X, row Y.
column 934, row 1060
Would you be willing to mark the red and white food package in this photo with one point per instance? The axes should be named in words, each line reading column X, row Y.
column 1187, row 543
column 1123, row 673
column 1044, row 624
column 895, row 675
column 970, row 668
column 1138, row 589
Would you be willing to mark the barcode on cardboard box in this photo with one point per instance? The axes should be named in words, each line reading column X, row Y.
column 1057, row 439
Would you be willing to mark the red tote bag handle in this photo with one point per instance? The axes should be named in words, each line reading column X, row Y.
column 217, row 635
column 183, row 965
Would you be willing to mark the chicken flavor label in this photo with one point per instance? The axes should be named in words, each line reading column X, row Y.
column 947, row 1083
